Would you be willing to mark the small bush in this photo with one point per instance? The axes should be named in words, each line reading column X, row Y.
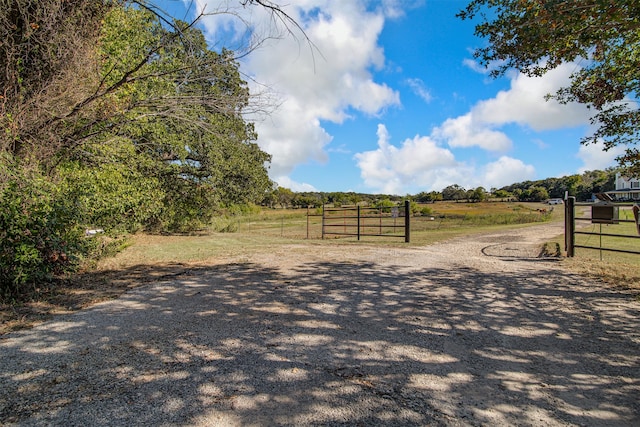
column 426, row 211
column 37, row 237
column 225, row 225
column 102, row 246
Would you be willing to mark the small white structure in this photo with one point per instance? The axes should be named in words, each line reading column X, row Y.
column 92, row 232
column 627, row 189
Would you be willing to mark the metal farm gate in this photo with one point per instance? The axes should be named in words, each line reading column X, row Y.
column 363, row 221
column 602, row 213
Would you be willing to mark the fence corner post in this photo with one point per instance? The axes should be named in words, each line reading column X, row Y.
column 323, row 219
column 407, row 221
column 307, row 222
column 358, row 222
column 570, row 226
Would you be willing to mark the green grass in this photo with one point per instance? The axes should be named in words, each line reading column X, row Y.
column 175, row 249
column 243, row 234
column 450, row 219
column 614, row 268
column 628, row 229
column 240, row 236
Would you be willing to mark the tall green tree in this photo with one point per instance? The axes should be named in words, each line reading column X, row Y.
column 603, row 36
column 535, row 194
column 478, row 195
column 112, row 115
column 453, row 192
column 180, row 105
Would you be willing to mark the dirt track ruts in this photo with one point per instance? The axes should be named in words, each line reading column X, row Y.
column 474, row 331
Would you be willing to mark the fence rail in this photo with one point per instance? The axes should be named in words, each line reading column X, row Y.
column 359, row 221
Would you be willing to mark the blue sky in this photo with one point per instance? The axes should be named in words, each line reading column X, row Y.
column 390, row 99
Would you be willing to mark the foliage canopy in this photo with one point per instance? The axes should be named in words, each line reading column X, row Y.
column 113, row 116
column 601, row 36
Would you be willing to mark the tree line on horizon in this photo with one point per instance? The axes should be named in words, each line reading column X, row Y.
column 582, row 186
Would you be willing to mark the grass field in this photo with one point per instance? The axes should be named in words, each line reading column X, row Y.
column 629, row 240
column 244, row 235
column 272, row 227
column 445, row 220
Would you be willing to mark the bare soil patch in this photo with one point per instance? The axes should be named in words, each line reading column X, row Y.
column 475, row 331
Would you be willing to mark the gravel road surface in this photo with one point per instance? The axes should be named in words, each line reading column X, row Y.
column 474, row 331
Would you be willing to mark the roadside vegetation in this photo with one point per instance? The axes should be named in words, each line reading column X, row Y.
column 114, row 116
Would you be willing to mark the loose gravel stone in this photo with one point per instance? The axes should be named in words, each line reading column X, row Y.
column 475, row 331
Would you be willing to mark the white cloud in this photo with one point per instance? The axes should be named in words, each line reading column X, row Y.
column 419, row 88
column 475, row 66
column 467, row 131
column 327, row 82
column 540, row 143
column 524, row 103
column 418, row 162
column 396, row 8
column 292, row 136
column 286, row 182
column 594, row 157
column 505, row 171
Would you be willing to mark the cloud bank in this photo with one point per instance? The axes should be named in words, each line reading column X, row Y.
column 334, row 81
column 433, row 164
column 324, row 82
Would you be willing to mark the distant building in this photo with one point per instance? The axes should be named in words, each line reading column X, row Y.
column 627, row 189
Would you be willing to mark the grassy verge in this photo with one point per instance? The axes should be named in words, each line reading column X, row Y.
column 444, row 220
column 613, row 268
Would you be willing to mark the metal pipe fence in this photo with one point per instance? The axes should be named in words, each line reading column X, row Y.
column 361, row 221
column 603, row 213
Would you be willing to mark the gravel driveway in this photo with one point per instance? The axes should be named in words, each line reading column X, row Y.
column 474, row 331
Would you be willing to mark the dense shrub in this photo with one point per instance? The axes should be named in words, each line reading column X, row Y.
column 426, row 211
column 114, row 197
column 38, row 238
column 243, row 209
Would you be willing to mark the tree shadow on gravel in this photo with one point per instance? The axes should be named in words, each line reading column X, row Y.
column 333, row 344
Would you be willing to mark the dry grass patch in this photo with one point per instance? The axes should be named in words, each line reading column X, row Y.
column 617, row 274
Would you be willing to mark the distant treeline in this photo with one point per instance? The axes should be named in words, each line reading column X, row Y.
column 581, row 186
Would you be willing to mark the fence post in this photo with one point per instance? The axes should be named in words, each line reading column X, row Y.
column 407, row 221
column 358, row 222
column 323, row 221
column 570, row 226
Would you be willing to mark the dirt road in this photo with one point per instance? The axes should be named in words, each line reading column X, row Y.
column 475, row 331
